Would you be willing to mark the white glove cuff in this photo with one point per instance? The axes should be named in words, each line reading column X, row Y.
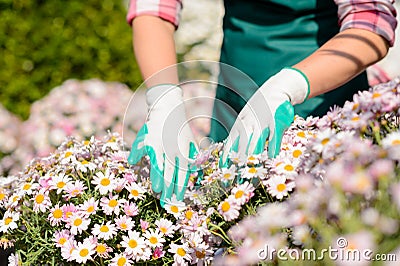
column 295, row 84
column 169, row 94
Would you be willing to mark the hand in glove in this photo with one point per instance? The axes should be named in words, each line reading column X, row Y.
column 267, row 114
column 168, row 140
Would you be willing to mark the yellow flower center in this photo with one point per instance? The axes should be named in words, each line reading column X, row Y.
column 297, row 153
column 8, row 220
column 84, row 252
column 2, row 195
column 62, row 240
column 134, row 192
column 174, row 209
column 68, row 214
column 289, row 167
column 121, row 261
column 101, row 249
column 27, row 186
column 57, row 213
column 112, row 203
column 39, row 198
column 225, row 206
column 15, row 198
column 181, row 252
column 252, row 170
column 90, row 209
column 163, row 230
column 78, row 222
column 239, row 194
column 75, row 192
column 104, row 229
column 376, row 95
column 356, row 118
column 105, row 182
column 60, row 184
column 123, row 225
column 153, row 240
column 189, row 214
column 86, row 142
column 67, row 154
column 324, row 141
column 281, row 187
column 227, row 175
column 132, row 243
column 396, row 142
column 84, row 162
column 301, row 134
column 251, row 158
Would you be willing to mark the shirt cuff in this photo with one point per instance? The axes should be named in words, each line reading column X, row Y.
column 378, row 22
column 166, row 10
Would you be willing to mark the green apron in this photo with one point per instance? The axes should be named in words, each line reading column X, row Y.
column 263, row 36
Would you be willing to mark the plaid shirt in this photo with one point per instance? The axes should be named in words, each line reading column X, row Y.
column 377, row 16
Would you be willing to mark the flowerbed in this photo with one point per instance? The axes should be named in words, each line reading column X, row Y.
column 337, row 177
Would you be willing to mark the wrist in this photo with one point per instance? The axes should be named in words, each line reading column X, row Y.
column 290, row 82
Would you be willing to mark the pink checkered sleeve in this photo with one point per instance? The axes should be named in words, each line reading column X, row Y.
column 377, row 16
column 168, row 10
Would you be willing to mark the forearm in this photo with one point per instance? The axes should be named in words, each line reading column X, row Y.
column 342, row 58
column 154, row 47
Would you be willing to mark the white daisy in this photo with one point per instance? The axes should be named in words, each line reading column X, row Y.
column 279, row 186
column 228, row 174
column 166, row 227
column 124, row 223
column 74, row 189
column 104, row 231
column 68, row 156
column 250, row 172
column 135, row 190
column 89, row 207
column 13, row 200
column 133, row 243
column 103, row 250
column 83, row 251
column 181, row 253
column 174, row 207
column 77, row 223
column 61, row 237
column 229, row 209
column 29, row 187
column 154, row 238
column 59, row 182
column 9, row 221
column 111, row 205
column 242, row 193
column 41, row 201
column 287, row 168
column 253, row 159
column 105, row 182
column 84, row 166
column 121, row 260
column 56, row 215
column 322, row 139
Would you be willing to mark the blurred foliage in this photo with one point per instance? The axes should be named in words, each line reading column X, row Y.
column 44, row 43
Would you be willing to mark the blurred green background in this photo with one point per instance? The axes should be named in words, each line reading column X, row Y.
column 44, row 43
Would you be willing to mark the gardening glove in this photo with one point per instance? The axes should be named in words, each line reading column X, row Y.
column 267, row 115
column 168, row 141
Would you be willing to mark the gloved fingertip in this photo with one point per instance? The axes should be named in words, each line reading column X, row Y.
column 260, row 146
column 156, row 178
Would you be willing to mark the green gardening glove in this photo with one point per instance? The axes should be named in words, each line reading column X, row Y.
column 168, row 141
column 267, row 115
